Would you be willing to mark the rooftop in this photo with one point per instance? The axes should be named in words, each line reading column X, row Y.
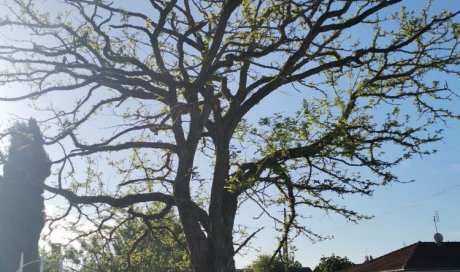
column 416, row 257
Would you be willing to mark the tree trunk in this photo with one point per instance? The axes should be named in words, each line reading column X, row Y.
column 207, row 253
column 211, row 249
column 209, row 235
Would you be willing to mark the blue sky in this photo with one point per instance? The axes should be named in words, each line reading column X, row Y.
column 403, row 212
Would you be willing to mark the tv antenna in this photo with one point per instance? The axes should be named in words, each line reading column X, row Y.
column 436, row 220
column 437, row 236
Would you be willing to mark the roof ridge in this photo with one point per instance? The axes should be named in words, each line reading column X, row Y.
column 376, row 259
column 417, row 245
column 401, row 249
column 416, row 256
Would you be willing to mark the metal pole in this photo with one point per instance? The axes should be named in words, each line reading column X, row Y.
column 61, row 265
column 21, row 262
column 285, row 245
column 42, row 263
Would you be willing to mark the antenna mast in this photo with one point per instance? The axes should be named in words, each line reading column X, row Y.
column 436, row 220
column 437, row 236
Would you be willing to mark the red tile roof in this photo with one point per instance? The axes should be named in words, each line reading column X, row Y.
column 418, row 256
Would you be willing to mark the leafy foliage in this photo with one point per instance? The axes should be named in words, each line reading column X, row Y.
column 134, row 246
column 263, row 263
column 333, row 264
column 21, row 203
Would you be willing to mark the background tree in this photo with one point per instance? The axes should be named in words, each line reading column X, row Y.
column 134, row 246
column 333, row 264
column 21, row 202
column 56, row 255
column 266, row 263
column 167, row 87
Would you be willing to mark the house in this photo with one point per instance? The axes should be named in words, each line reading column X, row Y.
column 418, row 257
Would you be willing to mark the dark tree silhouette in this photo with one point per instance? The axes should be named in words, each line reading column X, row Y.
column 333, row 264
column 21, row 201
column 265, row 263
column 163, row 89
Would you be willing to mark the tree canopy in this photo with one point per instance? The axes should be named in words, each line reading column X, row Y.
column 25, row 168
column 333, row 264
column 156, row 98
column 132, row 247
column 265, row 263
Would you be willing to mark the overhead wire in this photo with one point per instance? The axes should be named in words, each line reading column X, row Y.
column 404, row 206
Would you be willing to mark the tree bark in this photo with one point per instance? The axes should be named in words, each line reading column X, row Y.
column 211, row 251
column 209, row 237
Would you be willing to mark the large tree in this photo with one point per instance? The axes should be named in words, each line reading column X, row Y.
column 163, row 90
column 21, row 202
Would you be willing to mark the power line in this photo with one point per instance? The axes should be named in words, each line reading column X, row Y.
column 415, row 203
column 409, row 205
